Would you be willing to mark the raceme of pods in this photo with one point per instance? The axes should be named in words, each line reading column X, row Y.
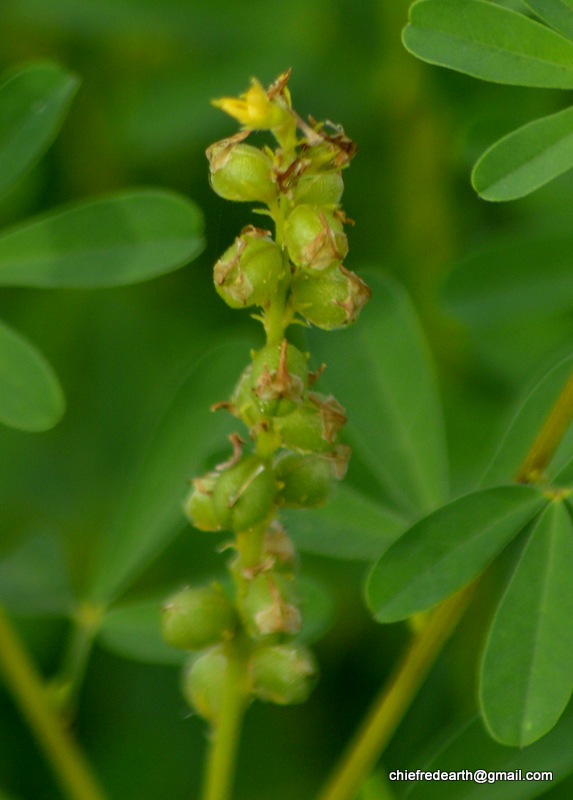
column 295, row 275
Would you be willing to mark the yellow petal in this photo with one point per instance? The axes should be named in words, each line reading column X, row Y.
column 253, row 109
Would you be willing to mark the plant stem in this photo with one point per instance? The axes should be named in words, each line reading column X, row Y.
column 64, row 755
column 394, row 700
column 549, row 437
column 225, row 735
column 86, row 619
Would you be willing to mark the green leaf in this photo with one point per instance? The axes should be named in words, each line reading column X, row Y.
column 187, row 436
column 526, row 159
column 382, row 373
column 112, row 241
column 349, row 526
column 487, row 41
column 557, row 13
column 471, row 748
column 446, row 550
column 34, row 578
column 30, row 396
column 525, row 426
column 503, row 283
column 133, row 630
column 33, row 104
column 527, row 667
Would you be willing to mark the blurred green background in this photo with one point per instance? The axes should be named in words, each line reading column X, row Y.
column 142, row 117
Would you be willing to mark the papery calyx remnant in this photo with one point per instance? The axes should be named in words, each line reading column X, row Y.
column 294, row 274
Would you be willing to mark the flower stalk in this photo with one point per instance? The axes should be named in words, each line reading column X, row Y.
column 293, row 274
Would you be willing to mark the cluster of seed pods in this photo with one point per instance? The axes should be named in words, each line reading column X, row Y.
column 293, row 275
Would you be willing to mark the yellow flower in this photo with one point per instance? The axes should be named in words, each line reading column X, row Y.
column 253, row 109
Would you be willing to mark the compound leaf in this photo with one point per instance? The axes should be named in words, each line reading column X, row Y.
column 526, row 159
column 30, row 396
column 527, row 667
column 472, row 748
column 112, row 241
column 446, row 550
column 557, row 13
column 490, row 42
column 33, row 104
column 525, row 426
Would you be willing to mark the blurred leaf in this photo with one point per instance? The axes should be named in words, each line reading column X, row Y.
column 527, row 667
column 376, row 787
column 30, row 396
column 526, row 159
column 33, row 104
column 487, row 41
column 563, row 472
column 133, row 630
column 446, row 550
column 382, row 374
column 525, row 426
column 349, row 526
column 557, row 13
column 472, row 748
column 186, row 437
column 317, row 608
column 34, row 578
column 503, row 282
column 112, row 241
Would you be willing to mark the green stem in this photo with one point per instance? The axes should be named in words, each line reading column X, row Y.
column 86, row 622
column 66, row 759
column 394, row 700
column 225, row 735
column 549, row 437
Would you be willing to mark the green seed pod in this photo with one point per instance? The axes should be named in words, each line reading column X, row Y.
column 199, row 506
column 315, row 237
column 283, row 673
column 198, row 617
column 279, row 378
column 244, row 494
column 240, row 172
column 312, row 427
column 248, row 272
column 204, row 683
column 319, row 189
column 268, row 606
column 336, row 151
column 331, row 299
column 308, row 479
